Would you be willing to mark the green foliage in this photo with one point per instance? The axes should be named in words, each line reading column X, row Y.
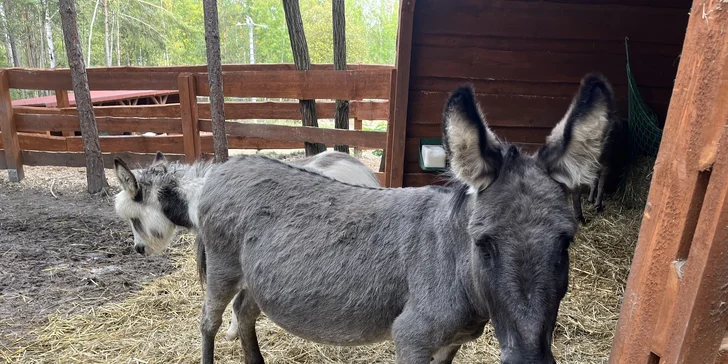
column 171, row 32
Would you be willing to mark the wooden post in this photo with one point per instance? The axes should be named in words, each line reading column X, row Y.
column 214, row 72
column 61, row 102
column 188, row 113
column 13, row 154
column 668, row 317
column 357, row 126
column 398, row 115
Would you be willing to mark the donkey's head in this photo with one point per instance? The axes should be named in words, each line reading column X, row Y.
column 520, row 223
column 152, row 204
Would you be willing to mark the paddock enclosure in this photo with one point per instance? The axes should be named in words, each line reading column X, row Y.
column 649, row 276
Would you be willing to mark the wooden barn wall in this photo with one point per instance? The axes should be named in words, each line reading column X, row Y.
column 525, row 60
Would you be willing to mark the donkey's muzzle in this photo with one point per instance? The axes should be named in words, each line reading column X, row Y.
column 139, row 249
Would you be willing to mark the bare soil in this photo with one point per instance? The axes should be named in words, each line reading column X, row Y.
column 62, row 250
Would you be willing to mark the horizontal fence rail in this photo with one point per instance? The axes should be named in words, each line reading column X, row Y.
column 26, row 130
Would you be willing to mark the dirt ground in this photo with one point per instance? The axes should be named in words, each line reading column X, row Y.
column 62, row 250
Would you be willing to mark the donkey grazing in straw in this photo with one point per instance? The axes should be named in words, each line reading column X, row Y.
column 426, row 267
column 164, row 195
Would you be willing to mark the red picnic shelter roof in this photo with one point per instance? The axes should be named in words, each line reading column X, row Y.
column 96, row 96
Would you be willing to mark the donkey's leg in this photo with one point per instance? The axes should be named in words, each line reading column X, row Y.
column 247, row 311
column 576, row 200
column 599, row 204
column 412, row 339
column 221, row 288
column 445, row 355
column 593, row 189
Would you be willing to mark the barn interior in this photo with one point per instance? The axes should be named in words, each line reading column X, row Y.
column 525, row 60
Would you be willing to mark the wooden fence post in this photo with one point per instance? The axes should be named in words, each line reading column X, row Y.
column 357, row 126
column 13, row 154
column 669, row 316
column 188, row 112
column 61, row 102
column 398, row 116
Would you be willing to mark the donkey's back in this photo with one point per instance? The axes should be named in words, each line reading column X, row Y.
column 344, row 277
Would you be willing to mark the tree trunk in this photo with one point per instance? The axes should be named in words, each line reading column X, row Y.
column 341, row 118
column 381, row 161
column 214, row 74
column 303, row 63
column 49, row 34
column 6, row 34
column 106, row 33
column 95, row 176
column 118, row 40
column 91, row 32
column 11, row 38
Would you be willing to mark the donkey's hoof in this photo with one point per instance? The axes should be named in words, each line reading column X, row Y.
column 600, row 208
column 581, row 219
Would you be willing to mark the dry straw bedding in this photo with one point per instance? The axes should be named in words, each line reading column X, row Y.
column 159, row 324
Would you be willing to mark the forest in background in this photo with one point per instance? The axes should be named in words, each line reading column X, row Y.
column 171, row 32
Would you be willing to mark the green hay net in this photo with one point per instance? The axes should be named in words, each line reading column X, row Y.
column 644, row 129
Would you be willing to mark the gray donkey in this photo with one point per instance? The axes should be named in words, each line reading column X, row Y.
column 425, row 267
column 164, row 195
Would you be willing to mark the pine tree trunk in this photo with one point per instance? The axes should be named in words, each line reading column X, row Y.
column 118, row 41
column 341, row 118
column 214, row 72
column 6, row 34
column 91, row 32
column 381, row 161
column 106, row 33
column 303, row 63
column 95, row 176
column 49, row 34
column 11, row 38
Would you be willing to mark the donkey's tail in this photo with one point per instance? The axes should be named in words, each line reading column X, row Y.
column 201, row 260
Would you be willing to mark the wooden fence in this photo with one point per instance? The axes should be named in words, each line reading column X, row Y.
column 25, row 130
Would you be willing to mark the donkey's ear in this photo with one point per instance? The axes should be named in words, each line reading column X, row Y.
column 126, row 177
column 572, row 150
column 473, row 151
column 159, row 158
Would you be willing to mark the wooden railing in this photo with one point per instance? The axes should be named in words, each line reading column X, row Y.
column 187, row 124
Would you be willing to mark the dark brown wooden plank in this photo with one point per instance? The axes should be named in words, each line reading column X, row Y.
column 136, row 144
column 691, row 143
column 132, row 78
column 13, row 156
column 513, row 134
column 32, row 141
column 188, row 112
column 42, row 122
column 242, row 142
column 73, row 159
column 674, row 4
column 142, row 111
column 477, row 63
column 652, row 95
column 614, row 47
column 289, row 110
column 506, row 110
column 364, row 84
column 547, row 20
column 369, row 139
